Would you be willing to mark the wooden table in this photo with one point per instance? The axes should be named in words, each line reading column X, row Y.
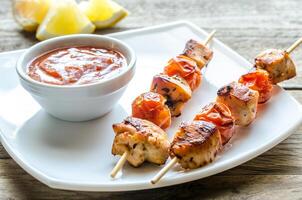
column 246, row 26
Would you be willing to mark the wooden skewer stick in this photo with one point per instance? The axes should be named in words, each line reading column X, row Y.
column 293, row 46
column 210, row 37
column 166, row 168
column 119, row 165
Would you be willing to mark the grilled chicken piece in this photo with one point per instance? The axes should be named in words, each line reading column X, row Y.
column 186, row 68
column 220, row 115
column 196, row 144
column 258, row 80
column 144, row 140
column 175, row 89
column 241, row 100
column 151, row 106
column 198, row 52
column 277, row 63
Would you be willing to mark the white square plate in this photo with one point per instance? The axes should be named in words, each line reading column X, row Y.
column 77, row 156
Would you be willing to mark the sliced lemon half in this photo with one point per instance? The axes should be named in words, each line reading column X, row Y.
column 64, row 17
column 103, row 13
column 30, row 13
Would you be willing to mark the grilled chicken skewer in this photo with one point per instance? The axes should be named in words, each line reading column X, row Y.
column 139, row 140
column 190, row 146
column 173, row 88
column 199, row 52
column 168, row 94
column 202, row 55
column 277, row 63
column 272, row 66
column 241, row 100
column 194, row 144
column 147, row 141
column 131, row 138
column 182, row 75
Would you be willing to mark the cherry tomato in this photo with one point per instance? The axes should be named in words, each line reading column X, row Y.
column 258, row 80
column 186, row 68
column 151, row 106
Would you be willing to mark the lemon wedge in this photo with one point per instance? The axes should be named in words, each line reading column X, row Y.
column 64, row 17
column 103, row 13
column 30, row 13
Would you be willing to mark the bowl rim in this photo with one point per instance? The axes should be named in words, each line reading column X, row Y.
column 22, row 74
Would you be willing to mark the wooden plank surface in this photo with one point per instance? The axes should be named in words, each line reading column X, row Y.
column 246, row 26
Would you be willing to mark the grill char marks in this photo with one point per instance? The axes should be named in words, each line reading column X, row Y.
column 220, row 115
column 241, row 100
column 137, row 124
column 198, row 133
column 277, row 63
column 198, row 52
column 224, row 91
column 144, row 140
column 175, row 89
column 196, row 144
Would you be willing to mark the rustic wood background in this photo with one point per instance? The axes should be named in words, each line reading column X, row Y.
column 247, row 26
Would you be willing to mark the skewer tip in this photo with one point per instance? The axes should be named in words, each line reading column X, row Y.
column 294, row 45
column 209, row 37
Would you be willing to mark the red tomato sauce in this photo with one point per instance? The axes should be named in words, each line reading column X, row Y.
column 76, row 65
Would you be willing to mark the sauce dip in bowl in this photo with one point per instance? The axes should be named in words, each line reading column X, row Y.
column 77, row 77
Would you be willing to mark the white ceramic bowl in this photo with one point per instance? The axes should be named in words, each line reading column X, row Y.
column 78, row 102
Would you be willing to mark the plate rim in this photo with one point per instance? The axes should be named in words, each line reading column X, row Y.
column 142, row 185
